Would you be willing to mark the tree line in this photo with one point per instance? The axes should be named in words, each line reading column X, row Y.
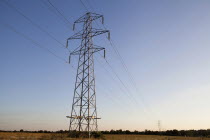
column 187, row 133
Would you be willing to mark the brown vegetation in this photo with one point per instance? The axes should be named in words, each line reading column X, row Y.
column 55, row 136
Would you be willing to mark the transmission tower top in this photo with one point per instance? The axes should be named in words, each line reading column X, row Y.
column 88, row 31
column 84, row 114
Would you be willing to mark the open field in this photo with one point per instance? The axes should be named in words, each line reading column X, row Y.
column 150, row 137
column 30, row 136
column 52, row 136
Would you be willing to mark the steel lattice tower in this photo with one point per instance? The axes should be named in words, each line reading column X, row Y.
column 84, row 114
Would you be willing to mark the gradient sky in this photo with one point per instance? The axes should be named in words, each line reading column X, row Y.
column 164, row 43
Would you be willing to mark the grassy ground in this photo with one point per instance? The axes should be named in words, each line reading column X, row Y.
column 30, row 136
column 51, row 136
column 150, row 137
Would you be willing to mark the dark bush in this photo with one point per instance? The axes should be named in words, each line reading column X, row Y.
column 77, row 134
column 84, row 134
column 97, row 135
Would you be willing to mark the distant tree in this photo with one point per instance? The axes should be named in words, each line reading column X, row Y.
column 119, row 131
column 136, row 132
column 45, row 131
column 190, row 133
column 40, row 131
column 112, row 132
column 21, row 130
column 175, row 132
column 127, row 132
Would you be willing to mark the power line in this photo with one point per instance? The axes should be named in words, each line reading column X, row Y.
column 114, row 47
column 133, row 83
column 129, row 95
column 54, row 12
column 111, row 66
column 112, row 99
column 34, row 42
column 61, row 16
column 111, row 42
column 90, row 5
column 113, row 77
column 116, row 52
column 59, row 12
column 115, row 81
column 84, row 5
column 105, row 58
column 110, row 91
column 33, row 23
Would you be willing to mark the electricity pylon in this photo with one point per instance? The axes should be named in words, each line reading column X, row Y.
column 159, row 125
column 84, row 114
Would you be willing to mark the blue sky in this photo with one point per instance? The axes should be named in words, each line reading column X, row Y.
column 165, row 45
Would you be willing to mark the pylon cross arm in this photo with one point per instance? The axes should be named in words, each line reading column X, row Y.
column 92, row 16
column 77, row 52
column 92, row 33
column 80, row 117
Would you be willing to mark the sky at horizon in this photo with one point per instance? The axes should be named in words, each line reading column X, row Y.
column 165, row 45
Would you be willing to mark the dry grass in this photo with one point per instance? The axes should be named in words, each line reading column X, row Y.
column 31, row 136
column 52, row 136
column 150, row 137
column 34, row 136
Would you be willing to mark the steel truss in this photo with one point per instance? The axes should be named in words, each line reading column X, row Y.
column 84, row 114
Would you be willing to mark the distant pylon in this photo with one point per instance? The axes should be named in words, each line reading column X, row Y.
column 84, row 114
column 159, row 125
